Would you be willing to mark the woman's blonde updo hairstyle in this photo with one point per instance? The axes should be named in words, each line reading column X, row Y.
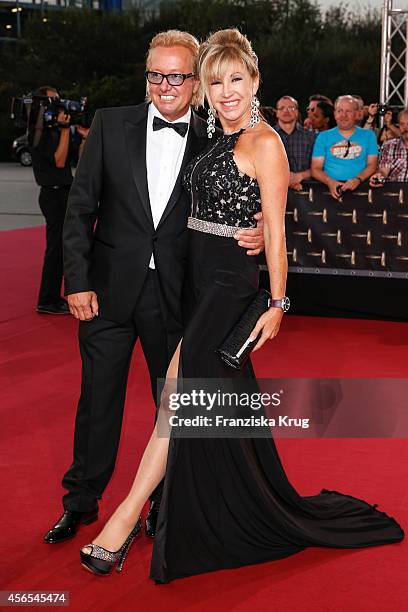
column 219, row 51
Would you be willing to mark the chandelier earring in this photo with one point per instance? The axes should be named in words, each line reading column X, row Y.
column 210, row 123
column 255, row 117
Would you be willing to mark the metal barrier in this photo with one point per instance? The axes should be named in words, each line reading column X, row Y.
column 364, row 234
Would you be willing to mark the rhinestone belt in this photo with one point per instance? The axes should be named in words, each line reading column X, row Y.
column 219, row 229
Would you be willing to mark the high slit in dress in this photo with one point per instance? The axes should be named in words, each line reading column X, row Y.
column 227, row 502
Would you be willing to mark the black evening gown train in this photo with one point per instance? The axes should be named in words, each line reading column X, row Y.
column 227, row 502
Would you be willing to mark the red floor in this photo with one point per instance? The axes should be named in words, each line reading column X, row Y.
column 40, row 375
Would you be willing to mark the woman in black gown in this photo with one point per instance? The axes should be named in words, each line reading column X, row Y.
column 227, row 502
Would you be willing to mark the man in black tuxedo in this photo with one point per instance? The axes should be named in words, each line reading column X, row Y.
column 125, row 239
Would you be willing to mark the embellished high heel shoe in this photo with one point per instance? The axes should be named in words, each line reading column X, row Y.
column 101, row 561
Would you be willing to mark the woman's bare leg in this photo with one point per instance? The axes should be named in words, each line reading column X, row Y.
column 150, row 472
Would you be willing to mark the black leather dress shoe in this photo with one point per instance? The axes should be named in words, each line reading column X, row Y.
column 67, row 526
column 151, row 519
column 59, row 308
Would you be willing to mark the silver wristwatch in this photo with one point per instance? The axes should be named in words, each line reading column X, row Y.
column 283, row 303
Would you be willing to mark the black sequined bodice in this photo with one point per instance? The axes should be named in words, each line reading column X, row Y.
column 219, row 192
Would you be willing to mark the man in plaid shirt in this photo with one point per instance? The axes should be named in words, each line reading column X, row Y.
column 297, row 140
column 393, row 163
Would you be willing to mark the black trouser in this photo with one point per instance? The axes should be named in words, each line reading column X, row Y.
column 106, row 350
column 53, row 204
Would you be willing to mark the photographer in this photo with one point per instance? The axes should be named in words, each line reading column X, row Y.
column 389, row 129
column 52, row 149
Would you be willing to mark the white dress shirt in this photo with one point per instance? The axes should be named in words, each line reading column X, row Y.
column 164, row 153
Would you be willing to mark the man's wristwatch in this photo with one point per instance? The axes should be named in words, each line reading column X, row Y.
column 283, row 303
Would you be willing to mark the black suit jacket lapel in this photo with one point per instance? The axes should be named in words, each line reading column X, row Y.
column 135, row 130
column 196, row 140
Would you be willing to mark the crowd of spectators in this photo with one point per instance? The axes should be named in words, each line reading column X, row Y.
column 341, row 143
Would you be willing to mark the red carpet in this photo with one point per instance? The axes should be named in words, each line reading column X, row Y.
column 40, row 377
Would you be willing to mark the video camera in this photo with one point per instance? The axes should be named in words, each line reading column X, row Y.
column 382, row 109
column 35, row 112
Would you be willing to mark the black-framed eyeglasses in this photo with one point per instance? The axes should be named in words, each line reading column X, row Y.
column 346, row 152
column 291, row 109
column 175, row 80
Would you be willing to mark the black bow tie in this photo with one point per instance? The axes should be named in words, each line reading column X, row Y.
column 181, row 128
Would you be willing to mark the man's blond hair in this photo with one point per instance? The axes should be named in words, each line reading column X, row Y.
column 176, row 38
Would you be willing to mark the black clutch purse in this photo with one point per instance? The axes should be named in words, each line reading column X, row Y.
column 236, row 347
